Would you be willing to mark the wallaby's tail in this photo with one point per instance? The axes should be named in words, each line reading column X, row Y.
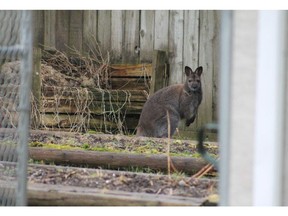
column 139, row 131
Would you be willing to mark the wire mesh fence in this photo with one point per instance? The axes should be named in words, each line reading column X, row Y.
column 15, row 88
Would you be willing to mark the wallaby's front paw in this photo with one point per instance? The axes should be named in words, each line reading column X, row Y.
column 188, row 123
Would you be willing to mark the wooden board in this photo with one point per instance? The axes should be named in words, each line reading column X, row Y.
column 191, row 39
column 75, row 30
column 93, row 107
column 38, row 23
column 95, row 94
column 89, row 29
column 131, row 37
column 117, row 22
column 207, row 59
column 146, row 35
column 81, row 122
column 104, row 31
column 59, row 195
column 62, row 30
column 129, row 70
column 161, row 30
column 49, row 29
column 117, row 160
column 176, row 47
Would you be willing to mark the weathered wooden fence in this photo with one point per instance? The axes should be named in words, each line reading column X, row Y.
column 130, row 36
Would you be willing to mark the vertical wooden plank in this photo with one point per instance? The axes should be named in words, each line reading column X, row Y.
column 216, row 65
column 62, row 30
column 38, row 23
column 104, row 31
column 191, row 39
column 176, row 32
column 161, row 30
column 89, row 29
column 36, row 87
column 117, row 32
column 75, row 31
column 206, row 59
column 131, row 37
column 159, row 70
column 49, row 29
column 146, row 35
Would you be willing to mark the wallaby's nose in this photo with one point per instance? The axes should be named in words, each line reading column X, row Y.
column 194, row 86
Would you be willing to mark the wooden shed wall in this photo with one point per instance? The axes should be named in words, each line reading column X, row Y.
column 189, row 38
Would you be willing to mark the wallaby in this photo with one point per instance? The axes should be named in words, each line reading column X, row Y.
column 180, row 100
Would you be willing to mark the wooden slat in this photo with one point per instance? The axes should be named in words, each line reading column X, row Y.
column 117, row 160
column 176, row 47
column 95, row 107
column 104, row 31
column 49, row 28
column 62, row 30
column 99, row 95
column 161, row 29
column 89, row 28
column 59, row 195
column 159, row 74
column 75, row 30
column 117, row 35
column 207, row 54
column 131, row 36
column 95, row 122
column 136, row 70
column 140, row 83
column 191, row 39
column 38, row 23
column 146, row 35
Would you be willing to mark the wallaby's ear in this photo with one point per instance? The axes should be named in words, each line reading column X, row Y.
column 188, row 70
column 199, row 70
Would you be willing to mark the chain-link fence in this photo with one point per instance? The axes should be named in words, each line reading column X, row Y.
column 15, row 88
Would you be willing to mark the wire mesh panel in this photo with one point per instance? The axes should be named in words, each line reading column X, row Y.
column 15, row 88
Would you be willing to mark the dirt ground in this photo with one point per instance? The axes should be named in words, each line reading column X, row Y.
column 176, row 184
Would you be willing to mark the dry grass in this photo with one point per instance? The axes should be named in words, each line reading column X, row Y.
column 72, row 79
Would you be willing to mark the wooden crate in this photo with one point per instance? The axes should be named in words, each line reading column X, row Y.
column 65, row 108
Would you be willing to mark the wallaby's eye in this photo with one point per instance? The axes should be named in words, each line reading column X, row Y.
column 189, row 80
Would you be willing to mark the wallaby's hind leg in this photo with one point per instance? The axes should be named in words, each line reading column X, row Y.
column 162, row 126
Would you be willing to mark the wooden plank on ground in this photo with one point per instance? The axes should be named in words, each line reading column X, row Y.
column 116, row 160
column 59, row 195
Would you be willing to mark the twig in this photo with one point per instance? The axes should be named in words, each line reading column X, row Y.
column 168, row 145
column 203, row 171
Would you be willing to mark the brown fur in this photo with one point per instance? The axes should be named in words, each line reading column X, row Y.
column 180, row 100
